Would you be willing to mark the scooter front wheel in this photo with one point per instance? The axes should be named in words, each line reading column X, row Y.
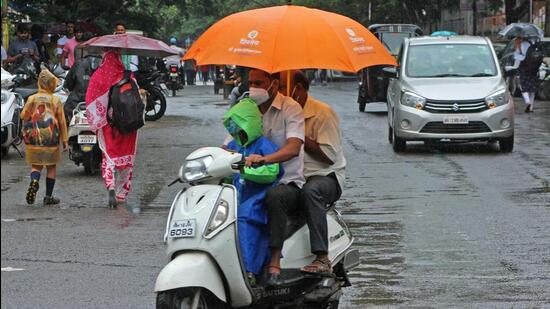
column 186, row 297
column 156, row 105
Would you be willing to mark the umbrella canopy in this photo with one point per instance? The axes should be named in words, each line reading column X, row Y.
column 131, row 44
column 522, row 30
column 289, row 37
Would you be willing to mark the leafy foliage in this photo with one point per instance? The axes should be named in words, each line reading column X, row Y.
column 183, row 18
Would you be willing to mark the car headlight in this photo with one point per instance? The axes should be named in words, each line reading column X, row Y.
column 413, row 100
column 196, row 169
column 219, row 216
column 498, row 98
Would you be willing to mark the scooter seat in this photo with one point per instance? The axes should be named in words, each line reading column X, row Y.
column 25, row 92
column 297, row 220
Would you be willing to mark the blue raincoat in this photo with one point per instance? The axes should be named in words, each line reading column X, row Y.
column 252, row 184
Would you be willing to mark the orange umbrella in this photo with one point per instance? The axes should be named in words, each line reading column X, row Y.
column 289, row 37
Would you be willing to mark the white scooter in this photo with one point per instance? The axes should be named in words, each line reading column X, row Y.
column 83, row 145
column 12, row 105
column 206, row 269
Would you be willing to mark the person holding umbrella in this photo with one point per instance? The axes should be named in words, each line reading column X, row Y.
column 119, row 150
column 528, row 74
column 526, row 35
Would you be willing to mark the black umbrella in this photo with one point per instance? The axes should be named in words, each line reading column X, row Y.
column 522, row 30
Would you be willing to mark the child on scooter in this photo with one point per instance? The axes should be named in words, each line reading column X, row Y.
column 244, row 122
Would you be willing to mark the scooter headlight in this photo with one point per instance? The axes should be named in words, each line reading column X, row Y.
column 498, row 98
column 197, row 169
column 4, row 98
column 218, row 217
column 413, row 100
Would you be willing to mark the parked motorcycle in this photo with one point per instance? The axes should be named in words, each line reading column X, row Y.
column 150, row 81
column 83, row 145
column 206, row 269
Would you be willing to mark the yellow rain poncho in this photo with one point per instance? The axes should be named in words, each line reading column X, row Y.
column 44, row 125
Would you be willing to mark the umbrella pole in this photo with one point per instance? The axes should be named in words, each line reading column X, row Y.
column 288, row 83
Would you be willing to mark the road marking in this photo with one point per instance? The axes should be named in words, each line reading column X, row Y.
column 11, row 269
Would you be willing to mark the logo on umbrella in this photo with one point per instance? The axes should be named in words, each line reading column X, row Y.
column 253, row 34
column 251, row 39
column 353, row 37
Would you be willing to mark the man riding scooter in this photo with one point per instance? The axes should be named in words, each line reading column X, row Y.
column 77, row 80
column 82, row 140
column 173, row 65
column 324, row 167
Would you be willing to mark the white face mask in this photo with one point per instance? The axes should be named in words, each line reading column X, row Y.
column 259, row 95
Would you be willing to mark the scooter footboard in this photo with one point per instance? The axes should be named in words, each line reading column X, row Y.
column 182, row 272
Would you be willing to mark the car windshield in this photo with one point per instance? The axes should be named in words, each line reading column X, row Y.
column 450, row 60
column 393, row 40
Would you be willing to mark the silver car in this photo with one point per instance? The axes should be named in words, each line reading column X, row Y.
column 449, row 88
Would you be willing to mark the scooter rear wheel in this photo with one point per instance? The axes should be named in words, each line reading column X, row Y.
column 183, row 298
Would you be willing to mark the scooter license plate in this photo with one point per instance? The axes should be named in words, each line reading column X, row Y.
column 173, row 74
column 163, row 86
column 87, row 139
column 182, row 228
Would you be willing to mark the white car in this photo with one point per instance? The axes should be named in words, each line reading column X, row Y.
column 449, row 88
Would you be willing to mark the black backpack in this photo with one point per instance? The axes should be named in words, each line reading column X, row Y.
column 126, row 105
column 533, row 57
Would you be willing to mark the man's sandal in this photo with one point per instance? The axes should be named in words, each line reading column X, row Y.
column 318, row 266
column 273, row 279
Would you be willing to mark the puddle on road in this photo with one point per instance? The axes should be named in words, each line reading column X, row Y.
column 11, row 181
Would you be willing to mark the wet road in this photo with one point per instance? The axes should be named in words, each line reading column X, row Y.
column 442, row 226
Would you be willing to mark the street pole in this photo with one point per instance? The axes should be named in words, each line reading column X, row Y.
column 5, row 24
column 531, row 11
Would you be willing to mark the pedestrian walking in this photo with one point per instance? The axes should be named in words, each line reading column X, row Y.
column 119, row 150
column 205, row 70
column 528, row 74
column 68, row 56
column 44, row 129
column 69, row 29
column 131, row 62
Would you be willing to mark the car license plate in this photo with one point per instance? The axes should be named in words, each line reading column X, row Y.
column 87, row 139
column 182, row 228
column 455, row 120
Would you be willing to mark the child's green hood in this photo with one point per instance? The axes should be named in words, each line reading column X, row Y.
column 247, row 116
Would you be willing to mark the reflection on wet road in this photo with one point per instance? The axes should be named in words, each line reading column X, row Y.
column 452, row 225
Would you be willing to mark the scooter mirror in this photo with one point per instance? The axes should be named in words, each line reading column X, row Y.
column 180, row 173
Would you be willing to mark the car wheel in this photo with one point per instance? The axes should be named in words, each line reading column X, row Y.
column 362, row 106
column 506, row 144
column 390, row 134
column 399, row 144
